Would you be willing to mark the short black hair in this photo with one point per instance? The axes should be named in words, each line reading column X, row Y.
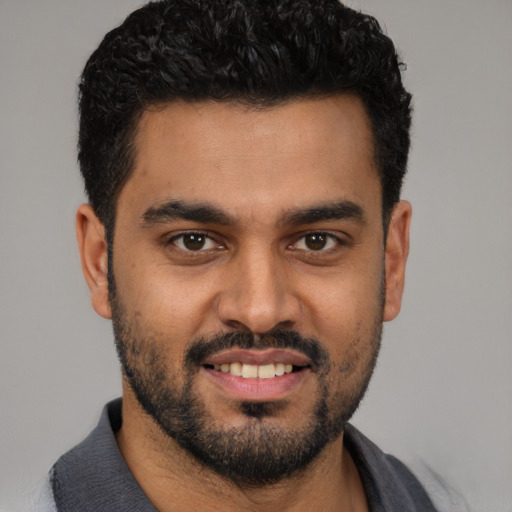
column 256, row 52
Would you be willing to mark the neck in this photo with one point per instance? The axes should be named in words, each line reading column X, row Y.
column 173, row 480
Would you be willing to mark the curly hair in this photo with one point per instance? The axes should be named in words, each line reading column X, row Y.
column 257, row 52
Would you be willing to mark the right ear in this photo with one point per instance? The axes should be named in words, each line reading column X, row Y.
column 92, row 245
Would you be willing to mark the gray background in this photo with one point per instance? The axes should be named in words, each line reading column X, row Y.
column 442, row 390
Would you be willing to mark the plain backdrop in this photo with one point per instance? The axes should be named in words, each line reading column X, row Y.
column 442, row 392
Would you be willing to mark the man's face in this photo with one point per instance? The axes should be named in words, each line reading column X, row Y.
column 250, row 242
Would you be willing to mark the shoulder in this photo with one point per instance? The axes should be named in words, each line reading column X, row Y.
column 38, row 499
column 445, row 496
column 392, row 485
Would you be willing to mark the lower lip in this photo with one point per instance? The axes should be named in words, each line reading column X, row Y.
column 258, row 390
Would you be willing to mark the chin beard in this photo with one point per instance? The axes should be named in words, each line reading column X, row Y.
column 254, row 454
column 258, row 452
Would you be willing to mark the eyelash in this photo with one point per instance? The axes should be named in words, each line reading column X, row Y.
column 208, row 238
column 332, row 241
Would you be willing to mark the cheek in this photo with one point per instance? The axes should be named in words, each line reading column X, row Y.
column 163, row 298
column 341, row 306
column 346, row 316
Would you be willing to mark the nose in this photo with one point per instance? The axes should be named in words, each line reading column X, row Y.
column 258, row 294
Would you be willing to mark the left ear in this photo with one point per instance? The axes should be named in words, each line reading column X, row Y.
column 94, row 257
column 397, row 250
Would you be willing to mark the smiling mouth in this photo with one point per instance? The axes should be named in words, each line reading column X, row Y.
column 266, row 375
column 253, row 371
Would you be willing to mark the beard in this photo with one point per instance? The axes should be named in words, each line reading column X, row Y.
column 259, row 451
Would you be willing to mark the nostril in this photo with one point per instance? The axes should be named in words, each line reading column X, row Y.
column 248, row 308
column 237, row 325
column 286, row 325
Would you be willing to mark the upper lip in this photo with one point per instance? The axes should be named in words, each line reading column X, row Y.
column 258, row 357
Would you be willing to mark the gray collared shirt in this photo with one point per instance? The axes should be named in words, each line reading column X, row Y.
column 93, row 476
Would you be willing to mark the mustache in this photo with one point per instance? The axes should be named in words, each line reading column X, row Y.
column 198, row 350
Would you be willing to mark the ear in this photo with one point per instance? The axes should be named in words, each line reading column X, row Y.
column 397, row 250
column 92, row 245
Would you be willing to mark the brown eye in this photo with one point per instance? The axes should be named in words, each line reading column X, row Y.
column 193, row 242
column 316, row 241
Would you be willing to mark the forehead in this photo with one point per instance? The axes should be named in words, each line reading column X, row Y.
column 243, row 158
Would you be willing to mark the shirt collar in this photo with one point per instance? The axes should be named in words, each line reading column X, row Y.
column 94, row 475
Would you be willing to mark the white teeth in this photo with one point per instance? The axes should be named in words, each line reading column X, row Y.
column 235, row 369
column 266, row 371
column 249, row 371
column 253, row 371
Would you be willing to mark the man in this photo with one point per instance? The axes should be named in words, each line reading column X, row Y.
column 243, row 162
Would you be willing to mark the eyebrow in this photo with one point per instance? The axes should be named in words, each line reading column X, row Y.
column 339, row 210
column 209, row 214
column 198, row 212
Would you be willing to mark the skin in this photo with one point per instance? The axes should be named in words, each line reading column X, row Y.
column 256, row 274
